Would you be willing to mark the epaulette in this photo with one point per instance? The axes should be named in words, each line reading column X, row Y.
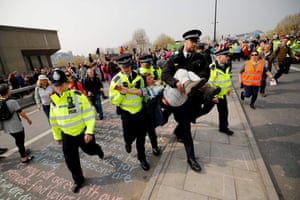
column 77, row 92
column 212, row 66
column 116, row 78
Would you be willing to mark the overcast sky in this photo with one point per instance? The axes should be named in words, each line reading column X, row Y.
column 84, row 25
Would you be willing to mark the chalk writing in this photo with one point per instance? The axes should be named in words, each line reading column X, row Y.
column 55, row 188
column 12, row 191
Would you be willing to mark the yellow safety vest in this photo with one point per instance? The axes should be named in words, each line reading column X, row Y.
column 155, row 73
column 128, row 102
column 220, row 78
column 73, row 117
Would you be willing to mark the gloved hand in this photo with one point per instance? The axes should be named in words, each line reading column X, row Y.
column 241, row 85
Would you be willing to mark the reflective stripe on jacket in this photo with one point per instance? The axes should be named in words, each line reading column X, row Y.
column 252, row 76
column 220, row 78
column 128, row 102
column 72, row 118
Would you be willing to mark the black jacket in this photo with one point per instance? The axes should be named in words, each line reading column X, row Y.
column 195, row 63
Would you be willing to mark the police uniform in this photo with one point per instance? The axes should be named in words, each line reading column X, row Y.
column 71, row 118
column 181, row 113
column 130, row 107
column 152, row 105
column 220, row 75
column 154, row 71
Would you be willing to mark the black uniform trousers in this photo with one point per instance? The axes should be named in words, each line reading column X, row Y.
column 134, row 128
column 183, row 129
column 222, row 111
column 71, row 146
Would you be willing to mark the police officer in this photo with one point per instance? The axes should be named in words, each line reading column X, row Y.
column 220, row 75
column 147, row 67
column 72, row 119
column 183, row 59
column 130, row 107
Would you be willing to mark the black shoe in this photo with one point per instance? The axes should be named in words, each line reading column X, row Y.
column 28, row 160
column 194, row 165
column 145, row 165
column 226, row 131
column 156, row 151
column 196, row 88
column 77, row 186
column 252, row 106
column 211, row 92
column 128, row 148
column 101, row 154
column 242, row 96
column 3, row 150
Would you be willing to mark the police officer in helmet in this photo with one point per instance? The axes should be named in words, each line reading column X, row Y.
column 72, row 120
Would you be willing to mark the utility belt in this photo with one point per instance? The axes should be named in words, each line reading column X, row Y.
column 82, row 132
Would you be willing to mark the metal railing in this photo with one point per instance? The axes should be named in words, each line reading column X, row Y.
column 24, row 95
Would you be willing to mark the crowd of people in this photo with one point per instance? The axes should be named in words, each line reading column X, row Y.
column 146, row 89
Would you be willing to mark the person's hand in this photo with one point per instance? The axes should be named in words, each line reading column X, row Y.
column 87, row 138
column 180, row 87
column 39, row 107
column 215, row 100
column 118, row 87
column 89, row 93
column 241, row 85
column 29, row 121
column 59, row 142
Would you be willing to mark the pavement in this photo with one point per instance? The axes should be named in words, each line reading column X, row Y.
column 232, row 166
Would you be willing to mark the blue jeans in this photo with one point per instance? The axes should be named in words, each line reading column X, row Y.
column 251, row 91
column 96, row 101
column 46, row 109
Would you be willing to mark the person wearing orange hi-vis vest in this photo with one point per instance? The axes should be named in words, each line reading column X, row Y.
column 251, row 76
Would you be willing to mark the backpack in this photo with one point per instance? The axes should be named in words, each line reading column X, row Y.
column 5, row 114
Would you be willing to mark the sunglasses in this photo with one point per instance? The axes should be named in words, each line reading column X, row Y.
column 254, row 54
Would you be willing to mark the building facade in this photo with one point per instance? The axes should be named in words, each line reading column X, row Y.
column 24, row 49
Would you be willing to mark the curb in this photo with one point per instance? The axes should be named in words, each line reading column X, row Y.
column 158, row 173
column 258, row 159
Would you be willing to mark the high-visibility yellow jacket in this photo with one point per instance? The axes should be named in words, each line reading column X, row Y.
column 128, row 102
column 71, row 113
column 221, row 78
column 155, row 73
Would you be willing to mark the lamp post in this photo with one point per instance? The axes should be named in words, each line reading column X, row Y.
column 215, row 21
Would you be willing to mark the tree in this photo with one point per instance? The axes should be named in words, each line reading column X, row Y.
column 288, row 25
column 141, row 40
column 162, row 41
column 77, row 60
column 61, row 63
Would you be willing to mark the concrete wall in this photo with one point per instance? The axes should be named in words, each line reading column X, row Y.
column 23, row 49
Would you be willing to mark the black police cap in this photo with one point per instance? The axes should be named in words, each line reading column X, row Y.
column 223, row 52
column 147, row 58
column 58, row 77
column 125, row 60
column 192, row 34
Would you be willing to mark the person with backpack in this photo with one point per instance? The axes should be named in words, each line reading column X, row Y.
column 10, row 112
